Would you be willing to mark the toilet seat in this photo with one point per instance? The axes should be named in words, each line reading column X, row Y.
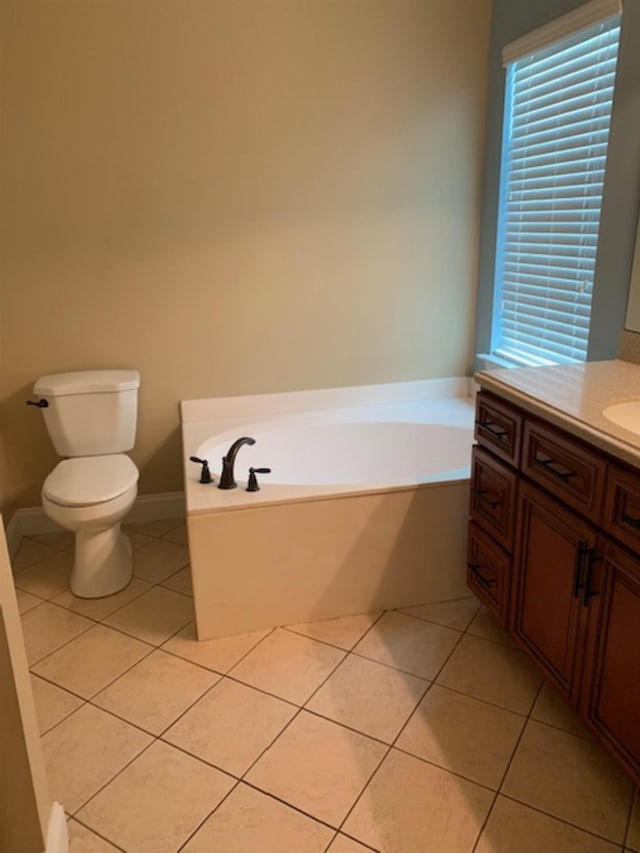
column 90, row 480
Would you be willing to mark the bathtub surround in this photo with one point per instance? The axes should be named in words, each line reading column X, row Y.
column 347, row 536
column 233, row 198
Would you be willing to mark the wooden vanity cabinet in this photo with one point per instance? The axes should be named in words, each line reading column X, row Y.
column 559, row 566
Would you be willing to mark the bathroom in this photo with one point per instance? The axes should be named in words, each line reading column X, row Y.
column 237, row 198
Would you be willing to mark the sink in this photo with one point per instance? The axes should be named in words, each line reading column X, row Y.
column 626, row 415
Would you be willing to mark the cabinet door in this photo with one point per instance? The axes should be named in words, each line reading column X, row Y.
column 611, row 697
column 553, row 551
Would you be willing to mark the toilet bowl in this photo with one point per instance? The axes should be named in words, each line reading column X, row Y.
column 91, row 417
column 90, row 496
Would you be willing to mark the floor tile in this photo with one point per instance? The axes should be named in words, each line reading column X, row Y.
column 343, row 632
column 249, row 821
column 180, row 582
column 633, row 838
column 463, row 734
column 91, row 661
column 139, row 540
column 412, row 645
column 155, row 804
column 47, row 577
column 484, row 625
column 219, row 655
column 410, row 805
column 514, row 828
column 231, row 726
column 158, row 560
column 570, row 778
column 342, row 844
column 85, row 751
column 178, row 535
column 551, row 708
column 288, row 665
column 99, row 608
column 154, row 692
column 26, row 601
column 154, row 528
column 452, row 614
column 52, row 703
column 364, row 695
column 29, row 553
column 154, row 616
column 61, row 540
column 318, row 767
column 47, row 627
column 82, row 840
column 492, row 672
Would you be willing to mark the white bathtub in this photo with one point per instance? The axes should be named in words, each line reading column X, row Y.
column 365, row 508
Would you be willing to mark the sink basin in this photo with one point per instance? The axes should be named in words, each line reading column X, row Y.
column 626, row 415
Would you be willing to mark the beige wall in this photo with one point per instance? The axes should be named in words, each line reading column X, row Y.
column 234, row 196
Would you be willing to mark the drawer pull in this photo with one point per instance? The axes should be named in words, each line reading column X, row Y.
column 482, row 494
column 548, row 464
column 475, row 568
column 629, row 519
column 578, row 583
column 588, row 593
column 493, row 429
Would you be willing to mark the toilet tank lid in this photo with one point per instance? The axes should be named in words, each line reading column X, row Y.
column 87, row 382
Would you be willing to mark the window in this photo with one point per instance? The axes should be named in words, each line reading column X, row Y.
column 557, row 114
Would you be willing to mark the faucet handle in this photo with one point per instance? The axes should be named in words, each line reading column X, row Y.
column 205, row 474
column 252, row 483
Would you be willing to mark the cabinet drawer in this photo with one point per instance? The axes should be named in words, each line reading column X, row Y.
column 493, row 496
column 488, row 572
column 498, row 427
column 564, row 467
column 622, row 507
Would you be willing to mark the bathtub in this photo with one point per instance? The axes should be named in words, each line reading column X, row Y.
column 365, row 507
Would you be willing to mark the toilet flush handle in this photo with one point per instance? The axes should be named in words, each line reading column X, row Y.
column 41, row 404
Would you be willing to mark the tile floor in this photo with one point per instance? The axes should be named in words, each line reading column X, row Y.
column 413, row 731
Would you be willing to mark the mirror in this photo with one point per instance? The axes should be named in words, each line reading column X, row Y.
column 632, row 321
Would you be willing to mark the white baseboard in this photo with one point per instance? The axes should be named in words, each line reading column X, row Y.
column 33, row 521
column 57, row 833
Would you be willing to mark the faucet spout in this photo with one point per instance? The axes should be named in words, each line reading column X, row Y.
column 227, row 480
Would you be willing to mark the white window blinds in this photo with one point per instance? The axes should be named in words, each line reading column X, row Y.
column 557, row 116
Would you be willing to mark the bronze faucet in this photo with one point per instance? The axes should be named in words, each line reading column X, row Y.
column 227, row 480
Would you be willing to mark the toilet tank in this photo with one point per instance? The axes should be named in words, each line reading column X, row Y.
column 90, row 412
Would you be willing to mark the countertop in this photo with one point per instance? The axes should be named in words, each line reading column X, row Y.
column 573, row 397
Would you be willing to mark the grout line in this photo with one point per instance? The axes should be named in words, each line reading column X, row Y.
column 202, row 822
column 278, row 799
column 435, row 622
column 402, row 728
column 95, row 832
column 211, row 669
column 508, row 767
column 562, row 820
column 340, row 833
column 113, row 778
column 324, row 642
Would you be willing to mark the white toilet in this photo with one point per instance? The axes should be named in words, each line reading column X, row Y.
column 91, row 417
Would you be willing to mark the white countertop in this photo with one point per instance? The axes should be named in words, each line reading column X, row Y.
column 573, row 397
